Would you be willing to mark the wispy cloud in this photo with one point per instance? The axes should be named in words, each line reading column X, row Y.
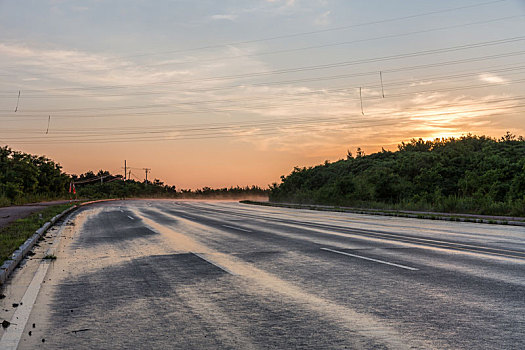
column 299, row 119
column 80, row 8
column 285, row 2
column 228, row 17
column 323, row 19
column 491, row 78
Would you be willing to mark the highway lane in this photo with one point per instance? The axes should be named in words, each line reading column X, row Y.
column 187, row 274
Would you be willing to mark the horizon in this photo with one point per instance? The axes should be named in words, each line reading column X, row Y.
column 229, row 94
column 268, row 186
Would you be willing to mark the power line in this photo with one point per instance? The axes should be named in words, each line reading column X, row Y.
column 17, row 101
column 258, row 99
column 306, row 33
column 316, row 123
column 311, row 47
column 508, row 70
column 229, row 125
column 333, row 65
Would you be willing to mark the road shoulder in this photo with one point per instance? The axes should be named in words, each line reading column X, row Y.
column 482, row 219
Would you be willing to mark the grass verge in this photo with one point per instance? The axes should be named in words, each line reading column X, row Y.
column 6, row 202
column 16, row 233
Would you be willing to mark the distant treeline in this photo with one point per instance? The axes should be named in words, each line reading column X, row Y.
column 105, row 185
column 471, row 174
column 237, row 192
column 28, row 178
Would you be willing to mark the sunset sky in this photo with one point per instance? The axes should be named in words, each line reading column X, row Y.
column 221, row 93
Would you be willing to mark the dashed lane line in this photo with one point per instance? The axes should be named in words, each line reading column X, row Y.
column 371, row 259
column 236, row 228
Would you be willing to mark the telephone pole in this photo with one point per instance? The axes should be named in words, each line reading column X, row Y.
column 125, row 168
column 146, row 170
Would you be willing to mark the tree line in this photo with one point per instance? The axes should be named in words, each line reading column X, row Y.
column 25, row 177
column 470, row 174
column 28, row 178
column 89, row 185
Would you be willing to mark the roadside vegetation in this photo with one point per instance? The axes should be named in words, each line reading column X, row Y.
column 471, row 174
column 247, row 192
column 27, row 178
column 17, row 232
column 89, row 186
column 106, row 185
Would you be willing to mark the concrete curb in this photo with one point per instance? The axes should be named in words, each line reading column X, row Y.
column 9, row 265
column 428, row 216
column 100, row 200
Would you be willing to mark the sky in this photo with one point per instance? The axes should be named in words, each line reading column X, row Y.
column 224, row 93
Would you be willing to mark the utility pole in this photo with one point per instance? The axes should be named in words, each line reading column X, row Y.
column 146, row 170
column 125, row 168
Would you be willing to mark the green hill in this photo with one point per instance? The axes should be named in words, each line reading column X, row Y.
column 471, row 174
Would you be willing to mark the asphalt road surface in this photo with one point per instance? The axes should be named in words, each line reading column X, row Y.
column 223, row 275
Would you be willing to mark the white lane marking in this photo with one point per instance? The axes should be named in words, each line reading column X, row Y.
column 214, row 263
column 236, row 228
column 121, row 210
column 13, row 334
column 370, row 259
column 131, row 217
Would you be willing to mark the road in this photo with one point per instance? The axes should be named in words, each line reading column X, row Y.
column 223, row 275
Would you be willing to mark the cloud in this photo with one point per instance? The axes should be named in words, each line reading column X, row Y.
column 426, row 98
column 287, row 117
column 228, row 17
column 79, row 8
column 323, row 19
column 421, row 83
column 286, row 2
column 491, row 78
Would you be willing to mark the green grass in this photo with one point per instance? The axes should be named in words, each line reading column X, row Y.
column 35, row 198
column 16, row 233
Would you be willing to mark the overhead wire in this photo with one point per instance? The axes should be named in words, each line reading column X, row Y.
column 306, row 33
column 335, row 65
column 255, row 123
column 291, row 98
column 265, row 53
column 313, row 121
column 466, row 73
column 269, row 127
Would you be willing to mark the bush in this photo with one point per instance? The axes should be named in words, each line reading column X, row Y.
column 469, row 175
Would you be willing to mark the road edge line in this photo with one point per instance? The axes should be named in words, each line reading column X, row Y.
column 454, row 217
